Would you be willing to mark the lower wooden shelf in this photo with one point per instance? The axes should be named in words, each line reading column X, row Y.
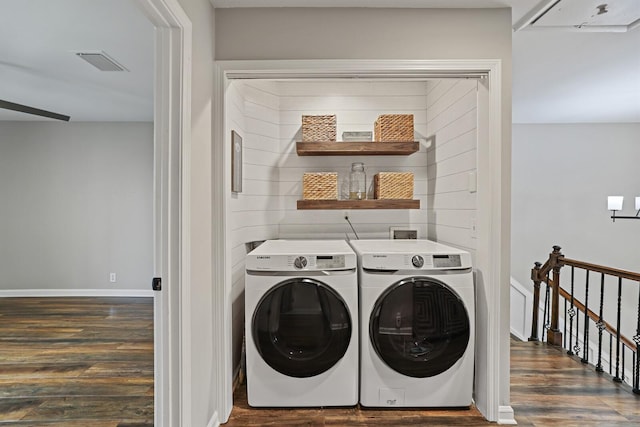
column 359, row 204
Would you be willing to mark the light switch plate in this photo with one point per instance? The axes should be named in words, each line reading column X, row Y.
column 473, row 182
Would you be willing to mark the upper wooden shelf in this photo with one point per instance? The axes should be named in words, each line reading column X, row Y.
column 360, row 204
column 313, row 148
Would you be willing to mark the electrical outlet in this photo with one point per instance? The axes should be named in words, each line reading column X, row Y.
column 473, row 227
column 112, row 277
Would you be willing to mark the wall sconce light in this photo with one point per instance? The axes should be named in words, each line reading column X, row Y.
column 615, row 204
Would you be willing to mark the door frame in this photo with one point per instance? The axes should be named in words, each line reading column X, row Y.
column 172, row 136
column 492, row 265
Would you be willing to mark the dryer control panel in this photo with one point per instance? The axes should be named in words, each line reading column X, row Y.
column 300, row 262
column 395, row 261
column 446, row 261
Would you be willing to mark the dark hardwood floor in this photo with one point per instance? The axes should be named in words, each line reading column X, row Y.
column 76, row 362
column 245, row 416
column 89, row 362
column 548, row 388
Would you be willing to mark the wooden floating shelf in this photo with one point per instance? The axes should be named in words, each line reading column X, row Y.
column 312, row 148
column 359, row 204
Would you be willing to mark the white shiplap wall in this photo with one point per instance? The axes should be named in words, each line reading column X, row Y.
column 451, row 161
column 356, row 105
column 252, row 111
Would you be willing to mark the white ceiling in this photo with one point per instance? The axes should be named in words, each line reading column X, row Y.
column 38, row 66
column 559, row 76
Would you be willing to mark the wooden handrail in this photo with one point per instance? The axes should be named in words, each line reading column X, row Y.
column 540, row 273
column 630, row 275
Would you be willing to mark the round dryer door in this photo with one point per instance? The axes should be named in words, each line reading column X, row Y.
column 419, row 327
column 301, row 327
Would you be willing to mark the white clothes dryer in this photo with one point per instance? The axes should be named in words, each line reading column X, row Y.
column 417, row 322
column 301, row 324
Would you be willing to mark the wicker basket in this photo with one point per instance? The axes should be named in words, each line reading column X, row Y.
column 319, row 128
column 320, row 186
column 393, row 185
column 393, row 127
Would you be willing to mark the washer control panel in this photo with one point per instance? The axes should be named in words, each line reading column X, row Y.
column 300, row 262
column 317, row 262
column 446, row 261
column 326, row 262
column 391, row 261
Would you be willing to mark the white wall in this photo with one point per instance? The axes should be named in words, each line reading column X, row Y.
column 562, row 175
column 356, row 106
column 452, row 113
column 251, row 109
column 345, row 33
column 200, row 397
column 77, row 204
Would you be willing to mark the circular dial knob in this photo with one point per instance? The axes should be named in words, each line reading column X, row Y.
column 300, row 262
column 417, row 261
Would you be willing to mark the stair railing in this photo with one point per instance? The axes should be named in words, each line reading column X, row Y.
column 580, row 334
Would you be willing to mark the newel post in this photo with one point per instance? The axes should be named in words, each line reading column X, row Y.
column 535, row 276
column 554, row 335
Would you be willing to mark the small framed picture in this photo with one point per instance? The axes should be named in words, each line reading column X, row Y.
column 236, row 162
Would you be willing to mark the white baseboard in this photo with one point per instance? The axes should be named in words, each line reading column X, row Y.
column 214, row 422
column 22, row 293
column 506, row 415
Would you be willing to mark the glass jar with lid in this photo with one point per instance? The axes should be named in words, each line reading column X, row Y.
column 357, row 182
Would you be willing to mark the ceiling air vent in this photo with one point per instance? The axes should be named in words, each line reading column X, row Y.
column 101, row 61
column 582, row 15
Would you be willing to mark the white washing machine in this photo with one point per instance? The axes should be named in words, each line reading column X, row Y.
column 417, row 323
column 301, row 324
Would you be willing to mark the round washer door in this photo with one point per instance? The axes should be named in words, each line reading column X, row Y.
column 419, row 327
column 301, row 327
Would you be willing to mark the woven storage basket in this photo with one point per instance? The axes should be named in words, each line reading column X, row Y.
column 320, row 186
column 319, row 128
column 393, row 185
column 393, row 127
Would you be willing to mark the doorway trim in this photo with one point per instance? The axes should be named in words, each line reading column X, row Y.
column 492, row 395
column 172, row 136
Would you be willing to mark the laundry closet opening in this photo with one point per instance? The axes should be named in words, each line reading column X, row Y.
column 267, row 113
column 457, row 109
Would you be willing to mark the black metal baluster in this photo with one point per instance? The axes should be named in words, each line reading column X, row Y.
column 610, row 353
column 572, row 313
column 564, row 333
column 623, row 365
column 576, row 347
column 634, row 371
column 545, row 314
column 600, row 325
column 585, row 340
column 617, row 377
column 636, row 358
